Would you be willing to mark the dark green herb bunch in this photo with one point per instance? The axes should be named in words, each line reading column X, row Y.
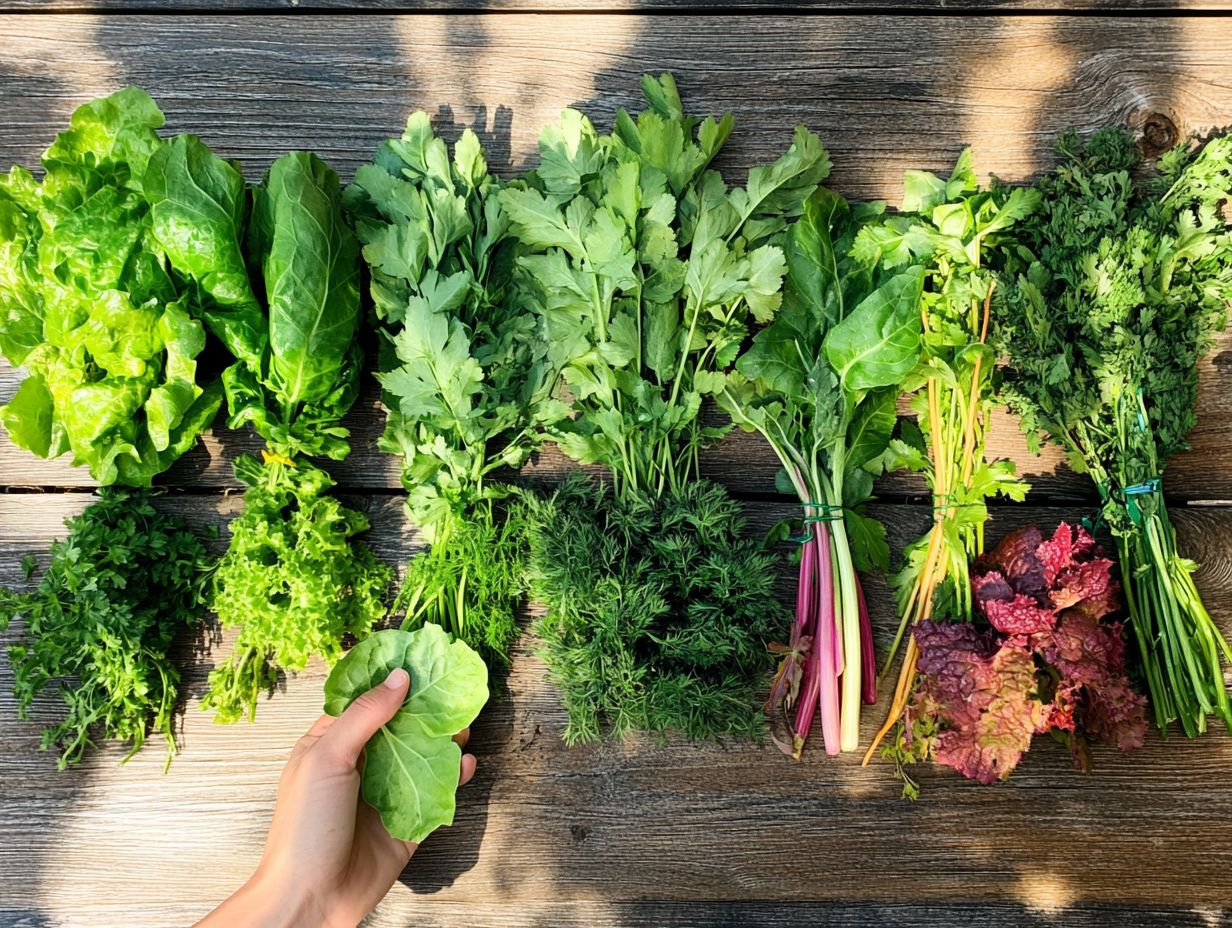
column 660, row 610
column 122, row 584
column 1122, row 282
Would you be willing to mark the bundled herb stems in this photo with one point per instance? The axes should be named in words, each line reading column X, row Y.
column 820, row 383
column 1121, row 286
column 953, row 232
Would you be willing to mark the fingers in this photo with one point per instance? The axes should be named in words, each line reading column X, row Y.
column 320, row 726
column 468, row 769
column 346, row 737
column 462, row 737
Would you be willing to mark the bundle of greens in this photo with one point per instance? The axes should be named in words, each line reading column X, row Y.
column 647, row 271
column 1104, row 321
column 956, row 234
column 820, row 385
column 464, row 375
column 88, row 306
column 1043, row 657
column 276, row 278
column 109, row 339
column 98, row 626
column 411, row 764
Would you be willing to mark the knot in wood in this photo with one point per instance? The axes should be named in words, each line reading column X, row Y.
column 1159, row 133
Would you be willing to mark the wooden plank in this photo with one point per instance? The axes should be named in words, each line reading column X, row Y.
column 631, row 833
column 710, row 7
column 742, row 461
column 887, row 93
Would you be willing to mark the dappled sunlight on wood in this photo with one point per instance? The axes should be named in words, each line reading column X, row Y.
column 1045, row 892
column 514, row 70
column 993, row 121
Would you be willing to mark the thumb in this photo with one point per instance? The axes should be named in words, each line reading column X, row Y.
column 345, row 739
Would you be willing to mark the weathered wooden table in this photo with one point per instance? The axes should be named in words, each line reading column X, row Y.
column 635, row 834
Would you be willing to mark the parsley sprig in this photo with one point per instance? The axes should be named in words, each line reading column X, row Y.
column 98, row 627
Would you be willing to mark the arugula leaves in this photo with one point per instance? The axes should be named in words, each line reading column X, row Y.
column 1120, row 286
column 411, row 764
column 88, row 307
column 464, row 371
column 98, row 627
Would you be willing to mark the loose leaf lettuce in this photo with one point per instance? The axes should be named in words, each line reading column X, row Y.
column 411, row 764
column 292, row 580
column 1045, row 656
column 88, row 307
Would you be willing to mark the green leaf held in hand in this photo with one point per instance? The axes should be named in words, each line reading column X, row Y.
column 411, row 765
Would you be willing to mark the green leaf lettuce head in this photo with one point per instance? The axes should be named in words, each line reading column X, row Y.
column 123, row 583
column 90, row 308
column 1121, row 284
column 411, row 765
column 466, row 383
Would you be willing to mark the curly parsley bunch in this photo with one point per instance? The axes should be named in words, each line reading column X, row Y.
column 1120, row 287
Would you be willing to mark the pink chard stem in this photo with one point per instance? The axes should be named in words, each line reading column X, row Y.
column 868, row 660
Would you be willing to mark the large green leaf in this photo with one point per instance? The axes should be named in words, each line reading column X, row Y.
column 411, row 764
column 310, row 260
column 198, row 208
column 879, row 341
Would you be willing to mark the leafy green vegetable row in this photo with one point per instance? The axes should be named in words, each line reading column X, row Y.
column 601, row 302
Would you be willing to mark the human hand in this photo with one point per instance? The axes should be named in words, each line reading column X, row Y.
column 328, row 859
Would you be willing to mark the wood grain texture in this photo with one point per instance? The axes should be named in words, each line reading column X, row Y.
column 887, row 93
column 631, row 835
column 599, row 834
column 710, row 7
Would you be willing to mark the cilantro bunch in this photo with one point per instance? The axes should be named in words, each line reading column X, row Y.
column 1121, row 283
column 1044, row 656
column 99, row 626
column 464, row 375
column 957, row 235
column 647, row 272
column 274, row 272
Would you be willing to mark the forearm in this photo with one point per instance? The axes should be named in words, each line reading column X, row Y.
column 261, row 904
